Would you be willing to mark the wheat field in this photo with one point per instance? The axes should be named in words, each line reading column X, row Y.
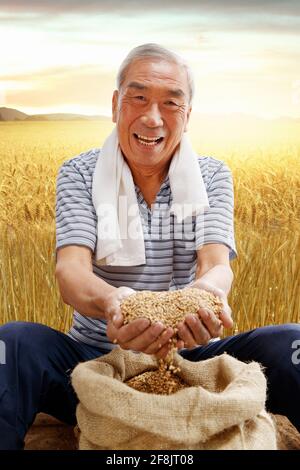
column 267, row 224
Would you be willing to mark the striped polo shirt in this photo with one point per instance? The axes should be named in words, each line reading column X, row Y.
column 170, row 248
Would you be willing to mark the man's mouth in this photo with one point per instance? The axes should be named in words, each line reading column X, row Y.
column 148, row 141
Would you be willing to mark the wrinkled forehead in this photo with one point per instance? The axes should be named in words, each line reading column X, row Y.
column 146, row 73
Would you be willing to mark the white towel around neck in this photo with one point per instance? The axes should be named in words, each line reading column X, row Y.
column 120, row 239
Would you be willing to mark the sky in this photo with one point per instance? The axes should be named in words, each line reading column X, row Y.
column 63, row 55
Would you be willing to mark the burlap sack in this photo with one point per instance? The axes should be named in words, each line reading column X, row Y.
column 223, row 408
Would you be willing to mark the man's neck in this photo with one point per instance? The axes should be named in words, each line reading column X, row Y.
column 147, row 178
column 149, row 181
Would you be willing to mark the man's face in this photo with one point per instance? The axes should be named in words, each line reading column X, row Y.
column 151, row 111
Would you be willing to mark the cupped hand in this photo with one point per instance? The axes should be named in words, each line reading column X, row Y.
column 139, row 334
column 199, row 329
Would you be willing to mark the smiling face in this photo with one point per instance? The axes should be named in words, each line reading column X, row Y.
column 151, row 111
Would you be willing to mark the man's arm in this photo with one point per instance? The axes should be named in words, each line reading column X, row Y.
column 213, row 267
column 93, row 297
column 78, row 285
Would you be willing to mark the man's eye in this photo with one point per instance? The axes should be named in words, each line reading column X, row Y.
column 171, row 103
column 140, row 98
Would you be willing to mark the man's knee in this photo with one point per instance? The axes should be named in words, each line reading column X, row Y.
column 27, row 334
column 278, row 333
column 288, row 329
column 277, row 345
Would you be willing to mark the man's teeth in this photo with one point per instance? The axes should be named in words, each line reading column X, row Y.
column 147, row 138
column 149, row 141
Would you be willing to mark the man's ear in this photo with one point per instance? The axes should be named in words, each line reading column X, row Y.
column 115, row 99
column 187, row 119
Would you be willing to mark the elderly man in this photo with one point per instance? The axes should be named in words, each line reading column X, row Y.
column 147, row 160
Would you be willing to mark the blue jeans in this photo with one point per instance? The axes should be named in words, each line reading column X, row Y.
column 39, row 360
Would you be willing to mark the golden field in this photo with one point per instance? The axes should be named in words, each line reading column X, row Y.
column 267, row 220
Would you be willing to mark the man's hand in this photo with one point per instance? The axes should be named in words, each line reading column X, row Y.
column 200, row 329
column 138, row 335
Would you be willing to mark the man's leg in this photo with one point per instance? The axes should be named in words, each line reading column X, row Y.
column 36, row 377
column 271, row 346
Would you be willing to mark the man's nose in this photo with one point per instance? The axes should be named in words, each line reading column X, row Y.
column 152, row 116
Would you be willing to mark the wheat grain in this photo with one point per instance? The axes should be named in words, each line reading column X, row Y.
column 170, row 308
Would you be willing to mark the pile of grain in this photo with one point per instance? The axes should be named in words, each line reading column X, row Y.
column 159, row 381
column 170, row 308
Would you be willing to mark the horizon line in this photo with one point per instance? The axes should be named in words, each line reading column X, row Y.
column 195, row 112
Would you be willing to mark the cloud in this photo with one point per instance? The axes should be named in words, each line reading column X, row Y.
column 67, row 16
column 84, row 85
column 53, row 73
column 254, row 23
column 213, row 6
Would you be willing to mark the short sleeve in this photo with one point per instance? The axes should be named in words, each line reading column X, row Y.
column 216, row 225
column 76, row 220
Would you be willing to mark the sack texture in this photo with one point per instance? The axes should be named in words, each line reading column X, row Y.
column 224, row 407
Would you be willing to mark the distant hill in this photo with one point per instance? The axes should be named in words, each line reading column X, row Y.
column 10, row 114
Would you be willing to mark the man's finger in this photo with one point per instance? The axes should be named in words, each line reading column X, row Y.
column 180, row 344
column 186, row 335
column 143, row 340
column 211, row 322
column 225, row 317
column 164, row 351
column 199, row 331
column 117, row 320
column 162, row 340
column 133, row 330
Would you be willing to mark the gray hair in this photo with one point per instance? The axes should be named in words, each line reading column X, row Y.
column 157, row 52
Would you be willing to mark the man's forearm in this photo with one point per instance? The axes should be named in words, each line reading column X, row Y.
column 84, row 291
column 220, row 276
